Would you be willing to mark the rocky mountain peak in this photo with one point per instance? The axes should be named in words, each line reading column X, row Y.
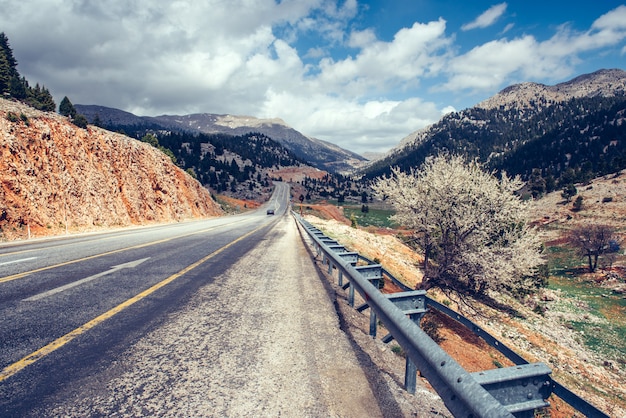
column 604, row 83
column 234, row 121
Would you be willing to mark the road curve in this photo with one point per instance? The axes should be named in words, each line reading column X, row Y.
column 223, row 321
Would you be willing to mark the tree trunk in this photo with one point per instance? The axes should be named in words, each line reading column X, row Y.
column 590, row 263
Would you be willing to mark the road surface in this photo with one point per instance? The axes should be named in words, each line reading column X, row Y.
column 223, row 317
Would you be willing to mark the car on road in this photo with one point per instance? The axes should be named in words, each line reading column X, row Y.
column 270, row 211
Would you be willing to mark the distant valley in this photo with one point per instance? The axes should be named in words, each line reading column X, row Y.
column 316, row 152
column 550, row 135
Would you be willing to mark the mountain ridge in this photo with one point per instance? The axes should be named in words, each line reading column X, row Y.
column 319, row 153
column 576, row 125
column 604, row 82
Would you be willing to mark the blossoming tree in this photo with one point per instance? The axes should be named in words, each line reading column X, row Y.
column 470, row 225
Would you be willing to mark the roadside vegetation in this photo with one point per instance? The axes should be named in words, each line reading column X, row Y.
column 575, row 322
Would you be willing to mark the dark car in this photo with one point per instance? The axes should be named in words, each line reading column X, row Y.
column 270, row 211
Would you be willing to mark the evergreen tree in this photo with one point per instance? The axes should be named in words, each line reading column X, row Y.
column 5, row 74
column 568, row 192
column 46, row 101
column 15, row 86
column 8, row 65
column 80, row 121
column 19, row 88
column 66, row 108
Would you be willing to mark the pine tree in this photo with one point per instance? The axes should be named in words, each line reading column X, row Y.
column 5, row 74
column 66, row 108
column 8, row 64
column 15, row 86
column 46, row 100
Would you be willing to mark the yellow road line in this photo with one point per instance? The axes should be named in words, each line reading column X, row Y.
column 60, row 342
column 26, row 273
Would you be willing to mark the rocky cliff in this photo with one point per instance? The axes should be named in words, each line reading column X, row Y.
column 55, row 177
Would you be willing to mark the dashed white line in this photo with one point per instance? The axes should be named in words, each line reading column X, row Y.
column 17, row 261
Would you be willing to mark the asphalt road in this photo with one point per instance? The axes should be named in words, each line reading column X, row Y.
column 223, row 317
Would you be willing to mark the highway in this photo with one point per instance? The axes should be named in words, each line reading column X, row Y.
column 188, row 319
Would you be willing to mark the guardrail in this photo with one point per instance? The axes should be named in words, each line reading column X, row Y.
column 505, row 392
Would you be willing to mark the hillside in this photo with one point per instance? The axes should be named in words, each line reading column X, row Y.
column 570, row 132
column 316, row 152
column 577, row 325
column 54, row 175
column 235, row 165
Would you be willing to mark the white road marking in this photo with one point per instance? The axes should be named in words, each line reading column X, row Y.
column 17, row 261
column 113, row 269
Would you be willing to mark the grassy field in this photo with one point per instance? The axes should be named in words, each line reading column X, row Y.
column 374, row 217
column 595, row 311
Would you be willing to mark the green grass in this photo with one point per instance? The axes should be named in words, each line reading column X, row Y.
column 375, row 217
column 602, row 323
column 602, row 315
column 563, row 261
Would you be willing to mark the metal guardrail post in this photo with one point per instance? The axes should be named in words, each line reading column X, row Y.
column 413, row 304
column 410, row 376
column 505, row 383
column 350, row 257
column 373, row 273
column 351, row 295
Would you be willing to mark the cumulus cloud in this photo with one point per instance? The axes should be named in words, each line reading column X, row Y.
column 490, row 65
column 342, row 83
column 487, row 18
column 413, row 53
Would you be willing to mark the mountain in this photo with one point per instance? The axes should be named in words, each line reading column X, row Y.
column 318, row 153
column 55, row 175
column 239, row 165
column 602, row 83
column 551, row 135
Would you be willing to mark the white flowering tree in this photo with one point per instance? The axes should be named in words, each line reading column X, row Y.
column 470, row 225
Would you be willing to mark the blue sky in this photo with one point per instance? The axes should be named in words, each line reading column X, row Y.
column 361, row 74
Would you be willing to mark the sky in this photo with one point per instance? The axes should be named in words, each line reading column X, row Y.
column 360, row 74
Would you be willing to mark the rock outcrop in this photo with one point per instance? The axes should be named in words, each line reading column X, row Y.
column 55, row 176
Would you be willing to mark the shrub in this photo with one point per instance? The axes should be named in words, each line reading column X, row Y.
column 431, row 327
column 397, row 350
column 12, row 117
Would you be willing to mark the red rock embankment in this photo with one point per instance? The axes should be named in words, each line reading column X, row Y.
column 53, row 174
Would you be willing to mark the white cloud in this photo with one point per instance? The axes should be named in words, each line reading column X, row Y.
column 413, row 53
column 190, row 56
column 490, row 65
column 367, row 126
column 486, row 19
column 613, row 20
column 507, row 28
column 361, row 39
